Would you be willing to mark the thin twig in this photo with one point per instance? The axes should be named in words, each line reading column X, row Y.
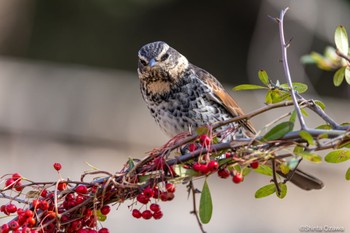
column 274, row 177
column 284, row 47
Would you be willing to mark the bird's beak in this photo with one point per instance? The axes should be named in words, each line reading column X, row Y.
column 152, row 63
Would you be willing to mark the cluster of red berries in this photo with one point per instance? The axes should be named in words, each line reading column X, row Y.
column 154, row 209
column 42, row 216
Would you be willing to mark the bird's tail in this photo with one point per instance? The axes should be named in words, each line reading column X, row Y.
column 303, row 180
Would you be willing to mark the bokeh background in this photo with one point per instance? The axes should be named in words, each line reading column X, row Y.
column 69, row 93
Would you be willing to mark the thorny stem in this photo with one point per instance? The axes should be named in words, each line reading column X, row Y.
column 194, row 211
column 284, row 47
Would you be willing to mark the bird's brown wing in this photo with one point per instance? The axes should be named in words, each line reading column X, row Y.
column 222, row 97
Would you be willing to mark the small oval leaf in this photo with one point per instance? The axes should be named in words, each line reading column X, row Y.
column 325, row 126
column 337, row 156
column 315, row 158
column 347, row 175
column 320, row 104
column 263, row 169
column 283, row 188
column 347, row 75
column 341, row 40
column 307, row 137
column 205, row 204
column 244, row 87
column 265, row 191
column 278, row 131
column 264, row 78
column 339, row 76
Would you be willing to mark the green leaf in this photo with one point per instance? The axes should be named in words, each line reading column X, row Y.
column 337, row 156
column 284, row 168
column 202, row 130
column 315, row 158
column 339, row 76
column 268, row 98
column 205, row 204
column 341, row 40
column 278, row 131
column 246, row 171
column 298, row 149
column 263, row 169
column 247, row 87
column 265, row 191
column 184, row 172
column 320, row 104
column 347, row 175
column 264, row 78
column 100, row 216
column 283, row 188
column 131, row 163
column 304, row 112
column 300, row 87
column 347, row 75
column 307, row 137
column 279, row 96
column 293, row 116
column 325, row 126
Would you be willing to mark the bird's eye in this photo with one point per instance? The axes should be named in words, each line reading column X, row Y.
column 164, row 57
column 143, row 62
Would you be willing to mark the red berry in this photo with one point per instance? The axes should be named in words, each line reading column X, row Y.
column 11, row 208
column 237, row 178
column 5, row 228
column 87, row 213
column 13, row 225
column 79, row 199
column 170, row 196
column 228, row 155
column 105, row 210
column 148, row 192
column 57, row 166
column 147, row 214
column 31, row 221
column 154, row 207
column 142, row 198
column 82, row 189
column 103, row 230
column 158, row 215
column 196, row 167
column 9, row 183
column 204, row 140
column 164, row 196
column 254, row 164
column 192, row 147
column 62, row 186
column 70, row 197
column 136, row 213
column 213, row 166
column 156, row 192
column 43, row 193
column 223, row 173
column 35, row 203
column 29, row 213
column 18, row 186
column 170, row 188
column 16, row 176
column 204, row 168
column 43, row 205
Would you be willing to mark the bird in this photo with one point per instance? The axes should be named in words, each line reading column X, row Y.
column 182, row 97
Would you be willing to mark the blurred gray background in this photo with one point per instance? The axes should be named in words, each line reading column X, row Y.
column 69, row 93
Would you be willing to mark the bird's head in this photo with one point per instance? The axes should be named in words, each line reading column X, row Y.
column 160, row 65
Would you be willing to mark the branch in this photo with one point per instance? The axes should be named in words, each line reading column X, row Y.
column 284, row 47
column 194, row 191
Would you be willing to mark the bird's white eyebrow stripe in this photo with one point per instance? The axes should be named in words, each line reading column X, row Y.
column 142, row 57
